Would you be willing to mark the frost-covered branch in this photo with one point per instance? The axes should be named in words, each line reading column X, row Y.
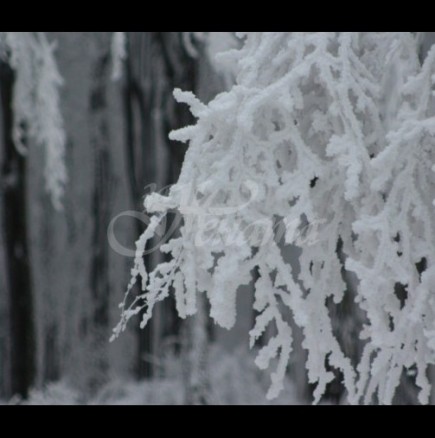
column 320, row 128
column 36, row 103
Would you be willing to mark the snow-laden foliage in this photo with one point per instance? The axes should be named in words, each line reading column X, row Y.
column 396, row 240
column 330, row 130
column 36, row 105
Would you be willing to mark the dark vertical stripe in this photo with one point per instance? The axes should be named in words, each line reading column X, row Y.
column 15, row 235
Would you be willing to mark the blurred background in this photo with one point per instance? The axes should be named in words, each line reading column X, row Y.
column 60, row 281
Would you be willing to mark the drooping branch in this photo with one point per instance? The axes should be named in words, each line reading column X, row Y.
column 324, row 108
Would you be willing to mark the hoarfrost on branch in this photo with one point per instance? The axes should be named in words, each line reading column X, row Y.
column 329, row 128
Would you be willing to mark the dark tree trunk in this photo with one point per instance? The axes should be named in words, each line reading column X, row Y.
column 100, row 285
column 156, row 64
column 15, row 237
